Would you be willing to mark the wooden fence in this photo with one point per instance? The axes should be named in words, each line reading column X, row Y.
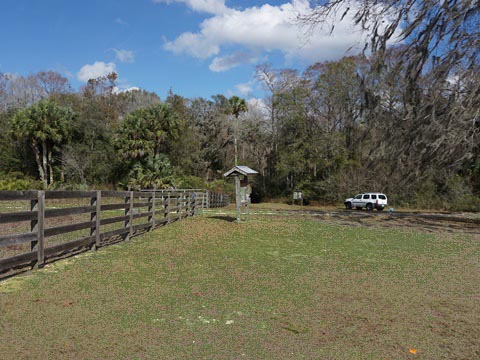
column 109, row 217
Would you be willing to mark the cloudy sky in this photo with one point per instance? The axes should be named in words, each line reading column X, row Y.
column 194, row 47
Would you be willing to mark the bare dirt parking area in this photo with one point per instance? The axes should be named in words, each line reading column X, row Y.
column 427, row 222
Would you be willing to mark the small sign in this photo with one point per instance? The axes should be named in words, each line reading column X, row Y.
column 297, row 195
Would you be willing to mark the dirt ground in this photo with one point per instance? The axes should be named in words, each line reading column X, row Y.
column 450, row 222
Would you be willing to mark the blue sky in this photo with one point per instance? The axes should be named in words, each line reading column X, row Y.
column 195, row 47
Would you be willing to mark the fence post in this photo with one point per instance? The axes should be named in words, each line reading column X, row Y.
column 184, row 203
column 193, row 202
column 40, row 226
column 34, row 223
column 152, row 209
column 93, row 216
column 179, row 205
column 98, row 219
column 188, row 203
column 168, row 207
column 130, row 233
column 127, row 212
column 191, row 199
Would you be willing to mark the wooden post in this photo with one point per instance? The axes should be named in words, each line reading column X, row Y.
column 238, row 199
column 168, row 207
column 98, row 219
column 185, row 202
column 128, row 212
column 193, row 201
column 191, row 205
column 153, row 209
column 41, row 229
column 179, row 204
column 130, row 233
column 34, row 223
column 94, row 216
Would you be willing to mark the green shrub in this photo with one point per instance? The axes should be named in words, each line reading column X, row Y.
column 18, row 181
column 191, row 182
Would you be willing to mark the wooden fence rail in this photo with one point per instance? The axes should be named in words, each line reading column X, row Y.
column 112, row 216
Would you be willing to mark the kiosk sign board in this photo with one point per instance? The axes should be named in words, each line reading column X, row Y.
column 298, row 196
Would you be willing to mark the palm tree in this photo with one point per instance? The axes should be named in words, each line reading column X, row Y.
column 237, row 106
column 45, row 125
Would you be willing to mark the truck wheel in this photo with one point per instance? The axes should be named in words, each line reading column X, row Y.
column 369, row 207
column 348, row 205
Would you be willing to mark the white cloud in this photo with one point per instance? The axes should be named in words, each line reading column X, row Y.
column 99, row 68
column 228, row 62
column 197, row 45
column 131, row 88
column 118, row 90
column 124, row 56
column 268, row 28
column 244, row 89
column 207, row 6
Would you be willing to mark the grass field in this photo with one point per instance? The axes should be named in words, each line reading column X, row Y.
column 276, row 288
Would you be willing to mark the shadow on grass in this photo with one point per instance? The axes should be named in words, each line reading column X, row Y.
column 17, row 271
column 224, row 218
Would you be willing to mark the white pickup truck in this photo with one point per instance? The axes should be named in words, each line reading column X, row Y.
column 368, row 201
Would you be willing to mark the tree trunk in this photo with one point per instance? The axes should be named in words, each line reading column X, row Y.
column 41, row 170
column 50, row 168
column 45, row 162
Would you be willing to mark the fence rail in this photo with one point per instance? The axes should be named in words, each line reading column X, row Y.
column 108, row 217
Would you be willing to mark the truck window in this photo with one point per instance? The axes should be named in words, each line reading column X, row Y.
column 366, row 196
column 374, row 197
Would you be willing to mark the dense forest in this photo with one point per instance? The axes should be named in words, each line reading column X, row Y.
column 404, row 120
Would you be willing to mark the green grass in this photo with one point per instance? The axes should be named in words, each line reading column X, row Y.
column 276, row 288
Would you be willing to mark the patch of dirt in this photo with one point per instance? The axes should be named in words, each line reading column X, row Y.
column 427, row 222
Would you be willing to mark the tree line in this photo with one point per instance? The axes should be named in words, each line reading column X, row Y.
column 402, row 119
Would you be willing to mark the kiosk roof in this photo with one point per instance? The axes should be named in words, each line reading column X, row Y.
column 240, row 170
